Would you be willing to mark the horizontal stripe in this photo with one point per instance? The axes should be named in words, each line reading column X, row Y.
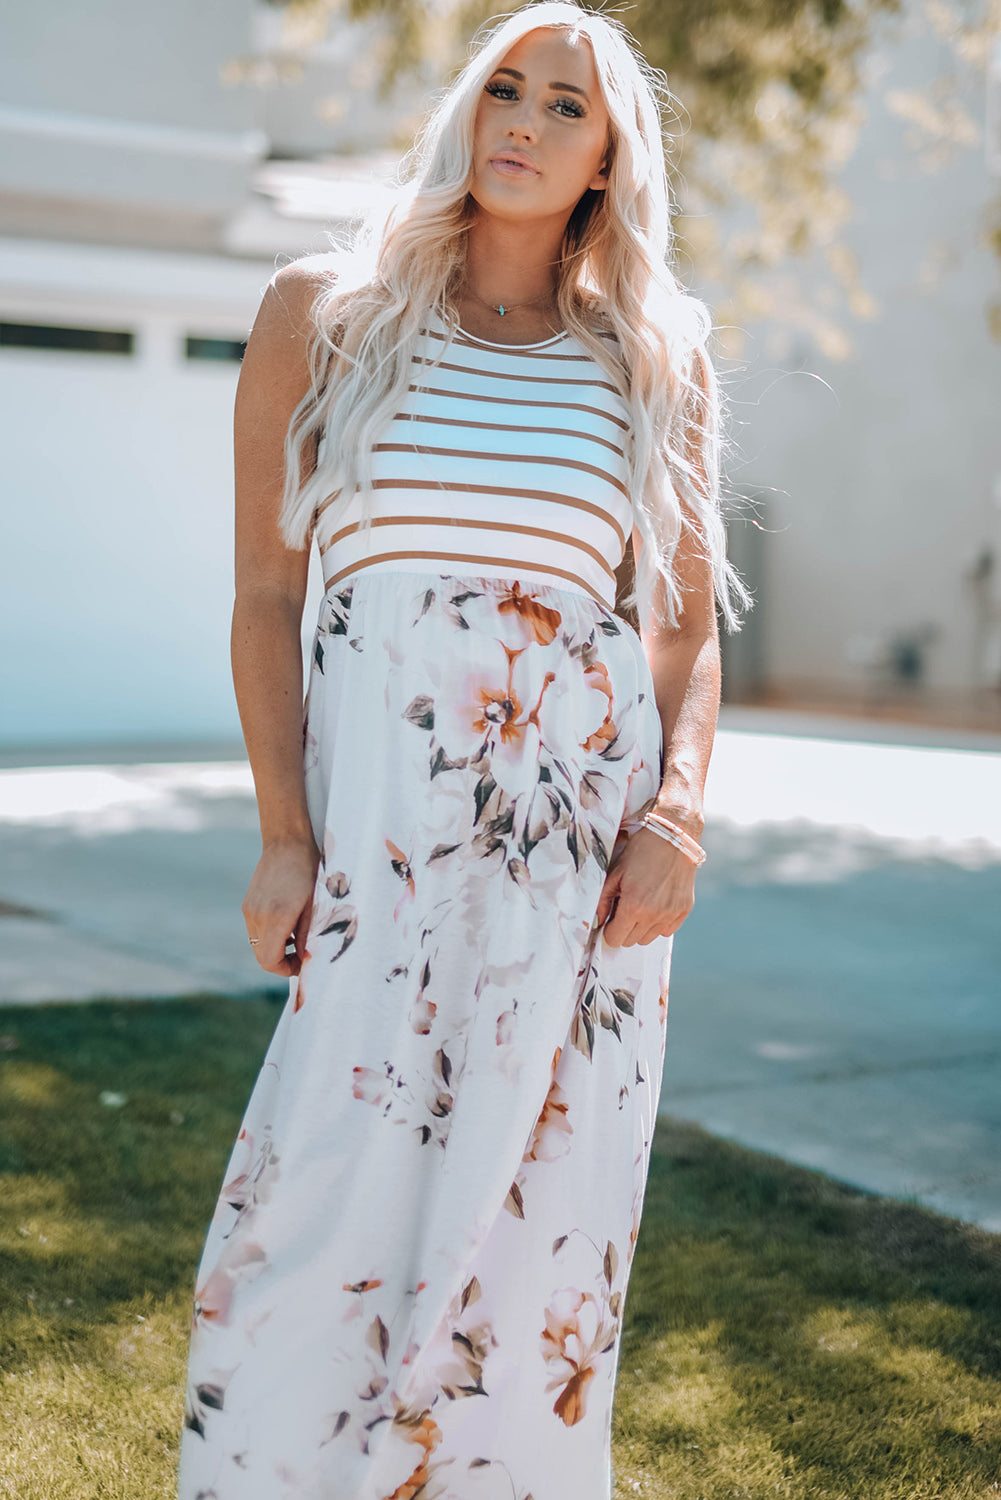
column 591, row 411
column 516, row 375
column 527, row 351
column 470, row 341
column 490, row 525
column 517, row 565
column 549, row 496
column 570, row 432
column 501, row 458
column 483, row 408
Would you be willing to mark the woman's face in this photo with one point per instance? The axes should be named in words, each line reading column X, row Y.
column 541, row 131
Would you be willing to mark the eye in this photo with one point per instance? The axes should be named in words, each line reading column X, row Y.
column 575, row 109
column 572, row 110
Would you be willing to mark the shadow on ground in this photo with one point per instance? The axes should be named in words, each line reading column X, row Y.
column 784, row 1334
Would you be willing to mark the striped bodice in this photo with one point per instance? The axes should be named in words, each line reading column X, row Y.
column 505, row 460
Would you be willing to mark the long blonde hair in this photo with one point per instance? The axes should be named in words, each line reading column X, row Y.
column 613, row 272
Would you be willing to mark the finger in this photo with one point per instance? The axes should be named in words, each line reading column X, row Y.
column 274, row 931
column 621, row 931
column 608, row 897
column 283, row 969
column 659, row 929
column 302, row 932
column 277, row 955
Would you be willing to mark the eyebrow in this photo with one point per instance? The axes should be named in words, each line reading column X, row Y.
column 570, row 88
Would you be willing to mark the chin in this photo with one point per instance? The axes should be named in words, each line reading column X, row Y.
column 503, row 205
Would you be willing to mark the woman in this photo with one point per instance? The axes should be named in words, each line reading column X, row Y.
column 479, row 844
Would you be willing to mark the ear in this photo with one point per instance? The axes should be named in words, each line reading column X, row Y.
column 600, row 179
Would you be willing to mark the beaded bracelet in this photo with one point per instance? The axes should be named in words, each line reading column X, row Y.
column 675, row 835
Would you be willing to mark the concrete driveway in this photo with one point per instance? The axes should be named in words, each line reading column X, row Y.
column 835, row 994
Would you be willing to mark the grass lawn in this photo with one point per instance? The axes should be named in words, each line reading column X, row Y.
column 785, row 1336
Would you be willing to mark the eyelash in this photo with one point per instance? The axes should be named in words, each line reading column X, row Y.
column 495, row 88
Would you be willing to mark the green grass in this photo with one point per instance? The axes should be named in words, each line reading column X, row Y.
column 785, row 1336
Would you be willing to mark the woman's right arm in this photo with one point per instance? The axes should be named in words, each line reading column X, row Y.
column 267, row 619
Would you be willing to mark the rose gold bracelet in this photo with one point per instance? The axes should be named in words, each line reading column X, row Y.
column 690, row 843
column 676, row 836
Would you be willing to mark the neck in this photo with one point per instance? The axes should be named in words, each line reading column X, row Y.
column 511, row 263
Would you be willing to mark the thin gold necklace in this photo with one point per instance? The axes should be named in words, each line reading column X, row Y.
column 504, row 308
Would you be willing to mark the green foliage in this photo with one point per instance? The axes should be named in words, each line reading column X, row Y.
column 785, row 1335
column 768, row 102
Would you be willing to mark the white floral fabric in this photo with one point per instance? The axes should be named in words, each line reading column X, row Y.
column 412, row 1286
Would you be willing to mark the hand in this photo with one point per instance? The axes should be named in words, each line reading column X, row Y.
column 279, row 904
column 650, row 889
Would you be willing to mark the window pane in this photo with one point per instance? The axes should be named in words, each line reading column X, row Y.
column 81, row 340
column 196, row 348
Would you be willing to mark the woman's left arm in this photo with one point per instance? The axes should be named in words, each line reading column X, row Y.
column 650, row 889
column 685, row 666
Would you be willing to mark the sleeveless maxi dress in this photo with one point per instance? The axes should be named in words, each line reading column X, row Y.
column 412, row 1285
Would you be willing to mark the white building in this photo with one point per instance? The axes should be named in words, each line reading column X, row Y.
column 146, row 196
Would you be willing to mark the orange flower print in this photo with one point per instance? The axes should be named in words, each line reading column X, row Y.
column 402, row 868
column 576, row 1334
column 596, row 678
column 551, row 1136
column 427, row 1434
column 539, row 623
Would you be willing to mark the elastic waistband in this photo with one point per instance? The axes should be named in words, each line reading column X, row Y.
column 463, row 567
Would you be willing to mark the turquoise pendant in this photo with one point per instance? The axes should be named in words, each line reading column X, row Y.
column 501, row 309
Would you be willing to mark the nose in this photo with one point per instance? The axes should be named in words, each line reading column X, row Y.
column 522, row 124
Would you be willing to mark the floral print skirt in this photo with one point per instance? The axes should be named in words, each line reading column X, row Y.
column 412, row 1286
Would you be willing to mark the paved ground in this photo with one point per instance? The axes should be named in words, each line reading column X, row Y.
column 835, row 994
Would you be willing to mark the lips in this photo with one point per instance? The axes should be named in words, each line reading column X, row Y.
column 514, row 164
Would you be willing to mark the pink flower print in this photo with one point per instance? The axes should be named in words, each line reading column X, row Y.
column 330, row 914
column 505, row 1028
column 253, row 1185
column 422, row 1014
column 499, row 707
column 382, row 1088
column 213, row 1297
column 576, row 1334
column 240, row 1261
column 462, row 1343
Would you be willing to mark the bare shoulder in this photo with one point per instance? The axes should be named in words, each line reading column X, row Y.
column 286, row 311
column 310, row 273
column 276, row 370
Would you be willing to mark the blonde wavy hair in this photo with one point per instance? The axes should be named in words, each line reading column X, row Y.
column 613, row 273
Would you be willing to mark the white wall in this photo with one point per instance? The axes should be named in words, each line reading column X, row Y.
column 885, row 479
column 123, row 105
column 116, row 500
column 116, row 491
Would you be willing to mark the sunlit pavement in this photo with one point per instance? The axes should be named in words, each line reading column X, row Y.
column 835, row 994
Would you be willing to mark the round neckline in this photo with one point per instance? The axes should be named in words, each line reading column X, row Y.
column 492, row 343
